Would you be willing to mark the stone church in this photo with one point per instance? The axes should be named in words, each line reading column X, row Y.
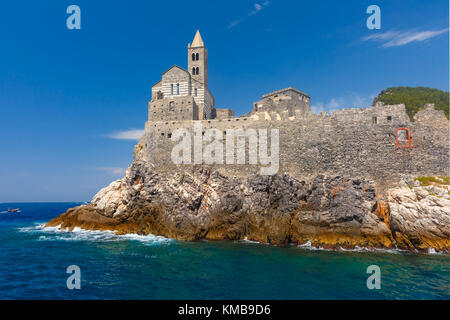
column 184, row 94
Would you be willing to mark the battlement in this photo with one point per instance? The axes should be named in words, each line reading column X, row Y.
column 378, row 142
column 357, row 141
column 224, row 113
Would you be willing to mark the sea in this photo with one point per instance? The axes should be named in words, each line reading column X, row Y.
column 35, row 263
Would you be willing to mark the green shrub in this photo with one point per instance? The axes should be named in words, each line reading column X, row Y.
column 415, row 98
column 427, row 181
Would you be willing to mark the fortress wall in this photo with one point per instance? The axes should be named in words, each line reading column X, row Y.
column 224, row 113
column 377, row 115
column 345, row 142
column 174, row 109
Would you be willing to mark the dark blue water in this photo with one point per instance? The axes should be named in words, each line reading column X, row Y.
column 33, row 264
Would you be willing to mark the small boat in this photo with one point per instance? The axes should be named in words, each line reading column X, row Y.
column 13, row 210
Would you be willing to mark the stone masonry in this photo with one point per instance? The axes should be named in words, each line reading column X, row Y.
column 361, row 142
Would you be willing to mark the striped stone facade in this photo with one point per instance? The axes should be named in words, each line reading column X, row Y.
column 184, row 93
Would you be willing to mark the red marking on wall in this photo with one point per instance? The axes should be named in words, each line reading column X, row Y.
column 403, row 138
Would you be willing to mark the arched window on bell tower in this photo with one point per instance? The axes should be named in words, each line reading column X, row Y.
column 196, row 56
column 193, row 57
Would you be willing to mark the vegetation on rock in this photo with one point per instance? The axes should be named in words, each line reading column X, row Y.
column 438, row 180
column 415, row 98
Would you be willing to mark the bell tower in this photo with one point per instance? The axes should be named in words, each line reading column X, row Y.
column 198, row 70
column 198, row 60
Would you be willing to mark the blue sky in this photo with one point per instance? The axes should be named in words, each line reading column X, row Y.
column 66, row 96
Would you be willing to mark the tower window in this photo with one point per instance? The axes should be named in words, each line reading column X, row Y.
column 178, row 88
column 193, row 57
column 193, row 70
column 171, row 89
column 196, row 57
column 197, row 70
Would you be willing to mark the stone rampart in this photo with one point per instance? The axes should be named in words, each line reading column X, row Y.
column 356, row 142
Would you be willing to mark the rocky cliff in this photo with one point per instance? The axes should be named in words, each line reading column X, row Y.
column 327, row 211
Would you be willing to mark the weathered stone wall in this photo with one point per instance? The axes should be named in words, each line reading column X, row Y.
column 173, row 108
column 356, row 142
column 224, row 113
column 289, row 101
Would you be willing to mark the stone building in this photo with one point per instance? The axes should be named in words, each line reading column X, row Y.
column 288, row 100
column 184, row 94
column 379, row 142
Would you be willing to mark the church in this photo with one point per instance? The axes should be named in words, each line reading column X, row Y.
column 184, row 94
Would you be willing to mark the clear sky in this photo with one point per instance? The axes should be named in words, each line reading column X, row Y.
column 67, row 96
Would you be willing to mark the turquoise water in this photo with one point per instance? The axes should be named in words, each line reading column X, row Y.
column 33, row 264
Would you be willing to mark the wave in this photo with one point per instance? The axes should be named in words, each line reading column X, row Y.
column 309, row 246
column 78, row 234
column 250, row 241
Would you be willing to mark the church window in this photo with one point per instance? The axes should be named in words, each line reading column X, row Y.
column 178, row 88
column 196, row 56
column 171, row 89
column 195, row 92
column 193, row 57
column 193, row 70
column 197, row 70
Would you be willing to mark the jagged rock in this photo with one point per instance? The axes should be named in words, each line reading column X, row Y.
column 420, row 219
column 327, row 211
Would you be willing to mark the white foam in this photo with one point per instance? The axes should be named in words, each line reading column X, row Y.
column 434, row 252
column 309, row 246
column 250, row 241
column 79, row 234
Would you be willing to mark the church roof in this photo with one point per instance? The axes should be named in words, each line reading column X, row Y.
column 198, row 41
column 175, row 66
column 284, row 90
column 158, row 84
